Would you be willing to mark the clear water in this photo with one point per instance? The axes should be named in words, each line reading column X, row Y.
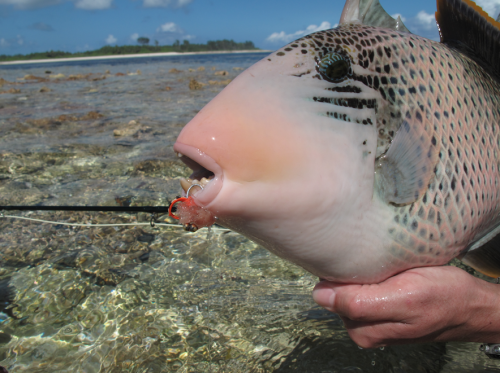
column 143, row 299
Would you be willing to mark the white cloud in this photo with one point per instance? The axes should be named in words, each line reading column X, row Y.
column 170, row 32
column 40, row 26
column 168, row 27
column 423, row 24
column 280, row 37
column 492, row 7
column 93, row 4
column 134, row 36
column 13, row 43
column 28, row 4
column 84, row 48
column 165, row 3
column 425, row 20
column 111, row 40
column 80, row 4
column 283, row 37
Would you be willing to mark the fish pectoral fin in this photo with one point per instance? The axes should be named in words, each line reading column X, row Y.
column 404, row 173
column 370, row 13
column 484, row 254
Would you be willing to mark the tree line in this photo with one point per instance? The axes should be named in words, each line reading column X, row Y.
column 108, row 50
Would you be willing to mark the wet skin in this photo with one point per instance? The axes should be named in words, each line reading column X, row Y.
column 429, row 304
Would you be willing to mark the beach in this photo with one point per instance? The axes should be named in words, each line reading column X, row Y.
column 141, row 55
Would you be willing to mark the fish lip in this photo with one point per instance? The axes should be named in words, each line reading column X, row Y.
column 211, row 190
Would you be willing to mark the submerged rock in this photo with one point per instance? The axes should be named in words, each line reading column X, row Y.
column 131, row 129
column 4, row 82
column 57, row 76
column 219, row 82
column 12, row 90
column 33, row 77
column 195, row 85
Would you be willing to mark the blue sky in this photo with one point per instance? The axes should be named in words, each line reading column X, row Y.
column 28, row 26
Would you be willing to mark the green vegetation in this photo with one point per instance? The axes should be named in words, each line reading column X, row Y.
column 185, row 46
column 143, row 41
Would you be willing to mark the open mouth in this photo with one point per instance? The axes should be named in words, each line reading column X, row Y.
column 205, row 181
column 199, row 178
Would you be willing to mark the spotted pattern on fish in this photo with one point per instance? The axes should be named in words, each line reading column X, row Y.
column 450, row 102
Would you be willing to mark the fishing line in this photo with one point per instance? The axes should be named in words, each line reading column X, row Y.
column 150, row 209
column 89, row 225
column 153, row 210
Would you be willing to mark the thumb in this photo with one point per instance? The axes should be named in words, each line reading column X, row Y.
column 325, row 294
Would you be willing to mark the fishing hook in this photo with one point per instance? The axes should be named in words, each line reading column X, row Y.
column 189, row 189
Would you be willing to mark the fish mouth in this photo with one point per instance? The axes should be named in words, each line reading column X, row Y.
column 205, row 182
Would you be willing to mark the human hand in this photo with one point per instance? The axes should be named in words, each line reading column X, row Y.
column 419, row 305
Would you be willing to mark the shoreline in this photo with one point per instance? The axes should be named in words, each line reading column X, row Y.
column 118, row 56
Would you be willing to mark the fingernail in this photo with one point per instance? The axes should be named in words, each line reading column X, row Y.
column 324, row 295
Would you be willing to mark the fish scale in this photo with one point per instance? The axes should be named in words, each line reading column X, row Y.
column 458, row 106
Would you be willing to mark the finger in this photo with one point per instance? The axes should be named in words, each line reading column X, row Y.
column 324, row 294
column 366, row 303
column 370, row 335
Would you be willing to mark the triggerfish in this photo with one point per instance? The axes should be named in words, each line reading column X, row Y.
column 361, row 151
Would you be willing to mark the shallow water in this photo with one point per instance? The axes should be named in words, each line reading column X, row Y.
column 144, row 299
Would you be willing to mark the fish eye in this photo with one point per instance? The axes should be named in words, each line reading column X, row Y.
column 334, row 67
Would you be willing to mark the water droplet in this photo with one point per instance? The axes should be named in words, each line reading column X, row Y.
column 373, row 363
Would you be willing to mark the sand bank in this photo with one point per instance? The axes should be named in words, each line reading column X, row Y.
column 112, row 57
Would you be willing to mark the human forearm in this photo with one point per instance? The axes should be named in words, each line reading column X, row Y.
column 482, row 322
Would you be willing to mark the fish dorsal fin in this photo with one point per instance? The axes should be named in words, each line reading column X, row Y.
column 484, row 254
column 370, row 13
column 404, row 173
column 466, row 27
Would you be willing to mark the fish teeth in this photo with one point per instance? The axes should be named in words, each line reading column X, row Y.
column 185, row 184
column 188, row 182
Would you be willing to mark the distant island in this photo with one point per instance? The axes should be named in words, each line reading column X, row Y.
column 185, row 46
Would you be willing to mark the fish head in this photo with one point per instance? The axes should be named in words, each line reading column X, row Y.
column 287, row 151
